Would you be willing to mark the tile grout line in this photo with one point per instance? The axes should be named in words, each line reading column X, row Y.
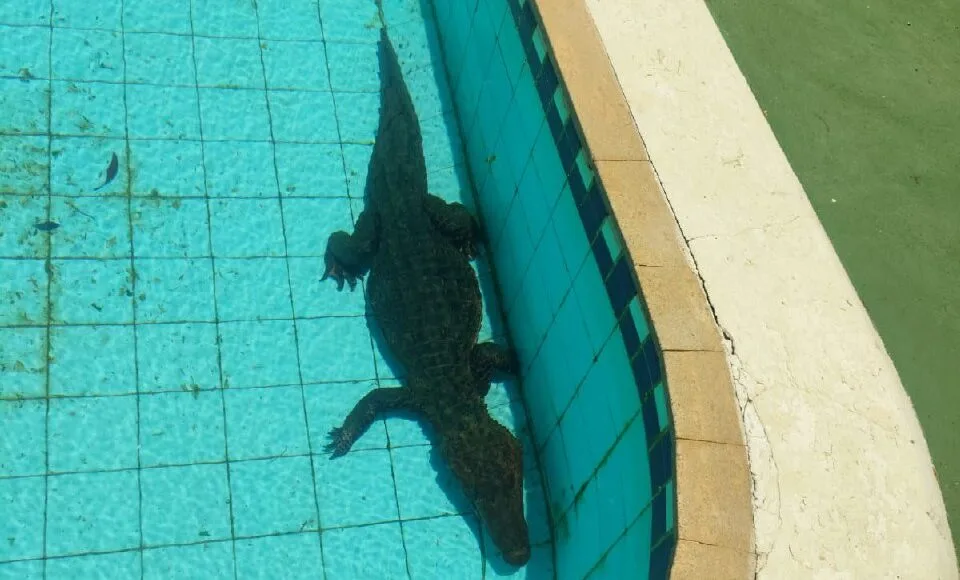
column 187, row 321
column 133, row 286
column 161, row 466
column 160, row 196
column 187, row 35
column 160, row 547
column 396, row 498
column 48, row 267
column 286, row 258
column 172, row 390
column 216, row 308
column 188, row 139
column 170, row 258
column 173, row 85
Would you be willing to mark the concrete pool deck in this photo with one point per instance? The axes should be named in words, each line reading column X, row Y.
column 842, row 481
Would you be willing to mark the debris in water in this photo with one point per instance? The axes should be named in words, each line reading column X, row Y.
column 111, row 171
column 47, row 226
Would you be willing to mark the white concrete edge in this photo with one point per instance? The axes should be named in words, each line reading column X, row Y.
column 843, row 484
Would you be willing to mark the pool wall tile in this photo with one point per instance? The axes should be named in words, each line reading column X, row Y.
column 592, row 369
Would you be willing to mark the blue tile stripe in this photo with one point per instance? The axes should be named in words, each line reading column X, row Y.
column 619, row 280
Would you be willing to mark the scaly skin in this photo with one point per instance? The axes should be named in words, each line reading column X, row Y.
column 425, row 298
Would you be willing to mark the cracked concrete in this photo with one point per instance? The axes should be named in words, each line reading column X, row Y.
column 843, row 485
column 761, row 228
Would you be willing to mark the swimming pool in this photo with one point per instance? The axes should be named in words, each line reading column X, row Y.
column 171, row 364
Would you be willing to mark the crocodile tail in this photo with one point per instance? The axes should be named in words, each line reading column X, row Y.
column 396, row 103
column 399, row 141
column 390, row 72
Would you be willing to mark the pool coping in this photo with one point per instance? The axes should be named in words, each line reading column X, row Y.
column 714, row 506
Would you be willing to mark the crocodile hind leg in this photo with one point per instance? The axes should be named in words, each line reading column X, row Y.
column 348, row 255
column 455, row 223
column 488, row 357
column 380, row 400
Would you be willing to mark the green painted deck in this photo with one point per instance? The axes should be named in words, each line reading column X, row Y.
column 865, row 101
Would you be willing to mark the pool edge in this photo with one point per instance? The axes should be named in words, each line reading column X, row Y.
column 715, row 513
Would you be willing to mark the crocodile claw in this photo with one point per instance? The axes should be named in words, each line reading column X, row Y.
column 339, row 444
column 336, row 271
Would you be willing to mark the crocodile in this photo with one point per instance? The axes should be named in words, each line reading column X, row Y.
column 424, row 296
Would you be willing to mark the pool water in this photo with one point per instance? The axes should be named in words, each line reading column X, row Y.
column 170, row 363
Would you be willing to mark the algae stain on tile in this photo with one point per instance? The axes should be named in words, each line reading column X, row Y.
column 191, row 388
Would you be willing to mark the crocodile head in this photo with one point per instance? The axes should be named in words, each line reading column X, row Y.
column 488, row 462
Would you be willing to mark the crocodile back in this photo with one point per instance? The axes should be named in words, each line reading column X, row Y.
column 428, row 306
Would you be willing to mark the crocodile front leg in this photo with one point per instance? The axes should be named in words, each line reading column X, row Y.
column 380, row 400
column 488, row 357
column 347, row 255
column 455, row 223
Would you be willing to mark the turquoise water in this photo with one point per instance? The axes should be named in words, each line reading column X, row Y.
column 170, row 364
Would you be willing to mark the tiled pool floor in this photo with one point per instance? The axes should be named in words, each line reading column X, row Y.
column 170, row 364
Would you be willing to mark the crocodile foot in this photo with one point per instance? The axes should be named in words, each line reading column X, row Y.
column 379, row 400
column 488, row 358
column 348, row 255
column 455, row 223
column 339, row 273
column 339, row 443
